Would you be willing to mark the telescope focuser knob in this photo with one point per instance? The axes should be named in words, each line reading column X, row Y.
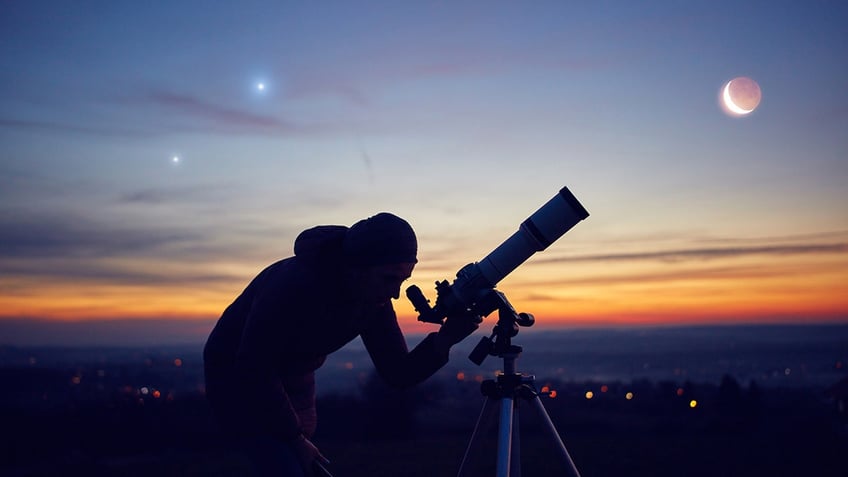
column 525, row 319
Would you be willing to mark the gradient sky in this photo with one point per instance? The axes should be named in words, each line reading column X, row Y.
column 462, row 117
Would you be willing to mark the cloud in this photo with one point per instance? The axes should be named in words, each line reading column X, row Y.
column 43, row 126
column 670, row 276
column 123, row 332
column 147, row 240
column 195, row 194
column 192, row 106
column 157, row 112
column 74, row 271
column 705, row 253
column 357, row 86
column 72, row 235
column 71, row 246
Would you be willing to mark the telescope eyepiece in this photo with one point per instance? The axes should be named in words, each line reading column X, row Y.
column 418, row 300
column 426, row 313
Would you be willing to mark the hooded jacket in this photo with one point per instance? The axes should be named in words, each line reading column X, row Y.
column 262, row 354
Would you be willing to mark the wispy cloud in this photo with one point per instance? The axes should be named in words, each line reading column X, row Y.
column 78, row 272
column 359, row 86
column 152, row 112
column 53, row 126
column 72, row 235
column 196, row 107
column 679, row 255
column 145, row 240
column 665, row 276
column 32, row 331
column 200, row 193
column 69, row 248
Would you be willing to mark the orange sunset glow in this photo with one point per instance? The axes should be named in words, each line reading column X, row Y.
column 785, row 284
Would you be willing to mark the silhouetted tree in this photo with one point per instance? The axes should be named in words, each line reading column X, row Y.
column 753, row 403
column 729, row 399
column 731, row 405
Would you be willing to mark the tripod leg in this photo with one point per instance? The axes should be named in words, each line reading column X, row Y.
column 549, row 427
column 505, row 437
column 515, row 461
column 483, row 423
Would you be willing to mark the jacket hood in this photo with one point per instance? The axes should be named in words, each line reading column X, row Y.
column 320, row 243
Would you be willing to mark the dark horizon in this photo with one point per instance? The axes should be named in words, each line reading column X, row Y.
column 142, row 411
column 772, row 355
column 143, row 332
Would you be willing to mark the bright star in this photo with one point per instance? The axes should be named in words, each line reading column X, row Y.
column 175, row 159
column 260, row 86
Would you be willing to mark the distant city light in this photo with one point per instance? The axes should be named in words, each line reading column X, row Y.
column 787, row 371
column 178, row 362
column 589, row 394
column 680, row 391
column 628, row 396
column 144, row 390
column 460, row 376
column 348, row 365
column 156, row 394
column 693, row 404
column 76, row 379
column 604, row 388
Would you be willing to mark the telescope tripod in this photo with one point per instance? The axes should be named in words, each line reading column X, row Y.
column 509, row 389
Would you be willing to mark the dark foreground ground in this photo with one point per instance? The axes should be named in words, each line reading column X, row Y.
column 732, row 430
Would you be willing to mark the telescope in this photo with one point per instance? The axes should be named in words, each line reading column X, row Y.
column 472, row 290
column 473, row 294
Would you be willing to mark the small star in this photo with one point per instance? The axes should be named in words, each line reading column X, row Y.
column 260, row 86
column 175, row 159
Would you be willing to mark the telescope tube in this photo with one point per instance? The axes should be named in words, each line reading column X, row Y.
column 535, row 234
column 471, row 290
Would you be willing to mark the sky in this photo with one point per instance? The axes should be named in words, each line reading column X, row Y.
column 154, row 157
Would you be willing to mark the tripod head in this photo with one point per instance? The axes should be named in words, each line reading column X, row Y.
column 499, row 343
column 509, row 386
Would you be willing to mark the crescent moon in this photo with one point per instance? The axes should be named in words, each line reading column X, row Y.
column 728, row 101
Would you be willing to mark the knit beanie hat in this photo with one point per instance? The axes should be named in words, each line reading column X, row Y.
column 380, row 240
